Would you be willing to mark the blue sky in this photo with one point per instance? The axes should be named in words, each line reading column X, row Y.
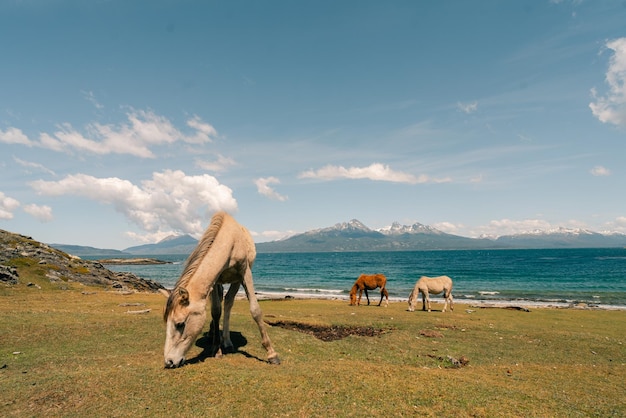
column 122, row 122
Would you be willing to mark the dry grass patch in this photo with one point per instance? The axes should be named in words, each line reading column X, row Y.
column 79, row 354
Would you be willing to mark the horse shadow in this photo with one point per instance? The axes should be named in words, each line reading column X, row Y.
column 209, row 351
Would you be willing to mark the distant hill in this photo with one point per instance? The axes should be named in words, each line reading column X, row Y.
column 182, row 244
column 563, row 238
column 354, row 236
column 82, row 251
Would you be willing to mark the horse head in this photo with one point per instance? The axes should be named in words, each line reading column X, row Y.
column 184, row 320
column 352, row 298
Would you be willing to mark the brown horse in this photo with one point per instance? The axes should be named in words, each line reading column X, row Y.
column 224, row 255
column 435, row 285
column 367, row 282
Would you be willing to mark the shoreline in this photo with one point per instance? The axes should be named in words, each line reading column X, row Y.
column 467, row 303
column 131, row 261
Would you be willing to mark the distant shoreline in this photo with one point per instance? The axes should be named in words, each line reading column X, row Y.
column 132, row 261
column 465, row 303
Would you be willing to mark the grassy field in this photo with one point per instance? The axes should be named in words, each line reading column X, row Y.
column 77, row 352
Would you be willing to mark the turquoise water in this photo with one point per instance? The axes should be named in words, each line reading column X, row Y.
column 594, row 276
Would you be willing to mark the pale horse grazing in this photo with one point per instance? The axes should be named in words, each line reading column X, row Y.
column 435, row 285
column 224, row 255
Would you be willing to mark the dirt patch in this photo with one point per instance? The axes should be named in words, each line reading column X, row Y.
column 429, row 333
column 329, row 332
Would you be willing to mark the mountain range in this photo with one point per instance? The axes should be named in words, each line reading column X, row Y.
column 355, row 236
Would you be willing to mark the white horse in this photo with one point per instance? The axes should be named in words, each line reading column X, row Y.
column 435, row 285
column 224, row 255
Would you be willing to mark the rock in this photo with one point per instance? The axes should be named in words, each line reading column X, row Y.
column 8, row 274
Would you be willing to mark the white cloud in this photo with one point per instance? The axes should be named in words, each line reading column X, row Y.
column 600, row 171
column 611, row 108
column 204, row 131
column 42, row 213
column 222, row 164
column 273, row 235
column 501, row 227
column 37, row 166
column 448, row 227
column 92, row 99
column 7, row 206
column 263, row 187
column 171, row 200
column 15, row 136
column 375, row 171
column 467, row 107
column 142, row 130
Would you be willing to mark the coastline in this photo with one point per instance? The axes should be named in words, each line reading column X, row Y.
column 131, row 261
column 467, row 303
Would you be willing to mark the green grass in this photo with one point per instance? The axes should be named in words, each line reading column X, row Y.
column 81, row 354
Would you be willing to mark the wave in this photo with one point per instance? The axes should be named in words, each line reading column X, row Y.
column 297, row 289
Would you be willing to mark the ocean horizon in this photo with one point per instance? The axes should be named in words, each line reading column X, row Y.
column 550, row 277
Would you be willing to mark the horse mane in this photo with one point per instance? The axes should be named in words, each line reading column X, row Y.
column 192, row 263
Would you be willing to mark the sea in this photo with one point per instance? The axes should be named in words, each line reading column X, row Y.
column 551, row 277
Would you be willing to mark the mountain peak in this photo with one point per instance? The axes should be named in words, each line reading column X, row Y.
column 417, row 228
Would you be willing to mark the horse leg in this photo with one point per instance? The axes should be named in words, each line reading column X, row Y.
column 367, row 296
column 257, row 314
column 423, row 300
column 358, row 301
column 384, row 292
column 229, row 300
column 216, row 311
column 451, row 301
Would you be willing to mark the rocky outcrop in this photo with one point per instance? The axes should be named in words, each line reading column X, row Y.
column 19, row 252
column 8, row 274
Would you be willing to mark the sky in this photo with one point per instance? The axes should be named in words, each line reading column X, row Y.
column 123, row 122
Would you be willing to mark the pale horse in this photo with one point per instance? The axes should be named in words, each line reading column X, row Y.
column 435, row 285
column 224, row 255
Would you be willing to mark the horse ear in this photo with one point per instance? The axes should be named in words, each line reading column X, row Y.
column 165, row 292
column 184, row 296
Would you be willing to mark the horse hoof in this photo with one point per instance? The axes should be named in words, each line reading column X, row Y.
column 274, row 360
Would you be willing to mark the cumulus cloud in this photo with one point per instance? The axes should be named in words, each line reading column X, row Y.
column 136, row 136
column 42, row 213
column 7, row 206
column 600, row 171
column 375, row 171
column 467, row 107
column 611, row 108
column 263, row 187
column 171, row 200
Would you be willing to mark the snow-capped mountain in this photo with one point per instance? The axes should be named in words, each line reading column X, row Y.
column 417, row 228
column 355, row 236
column 351, row 226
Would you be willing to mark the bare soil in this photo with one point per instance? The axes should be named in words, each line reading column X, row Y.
column 329, row 332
